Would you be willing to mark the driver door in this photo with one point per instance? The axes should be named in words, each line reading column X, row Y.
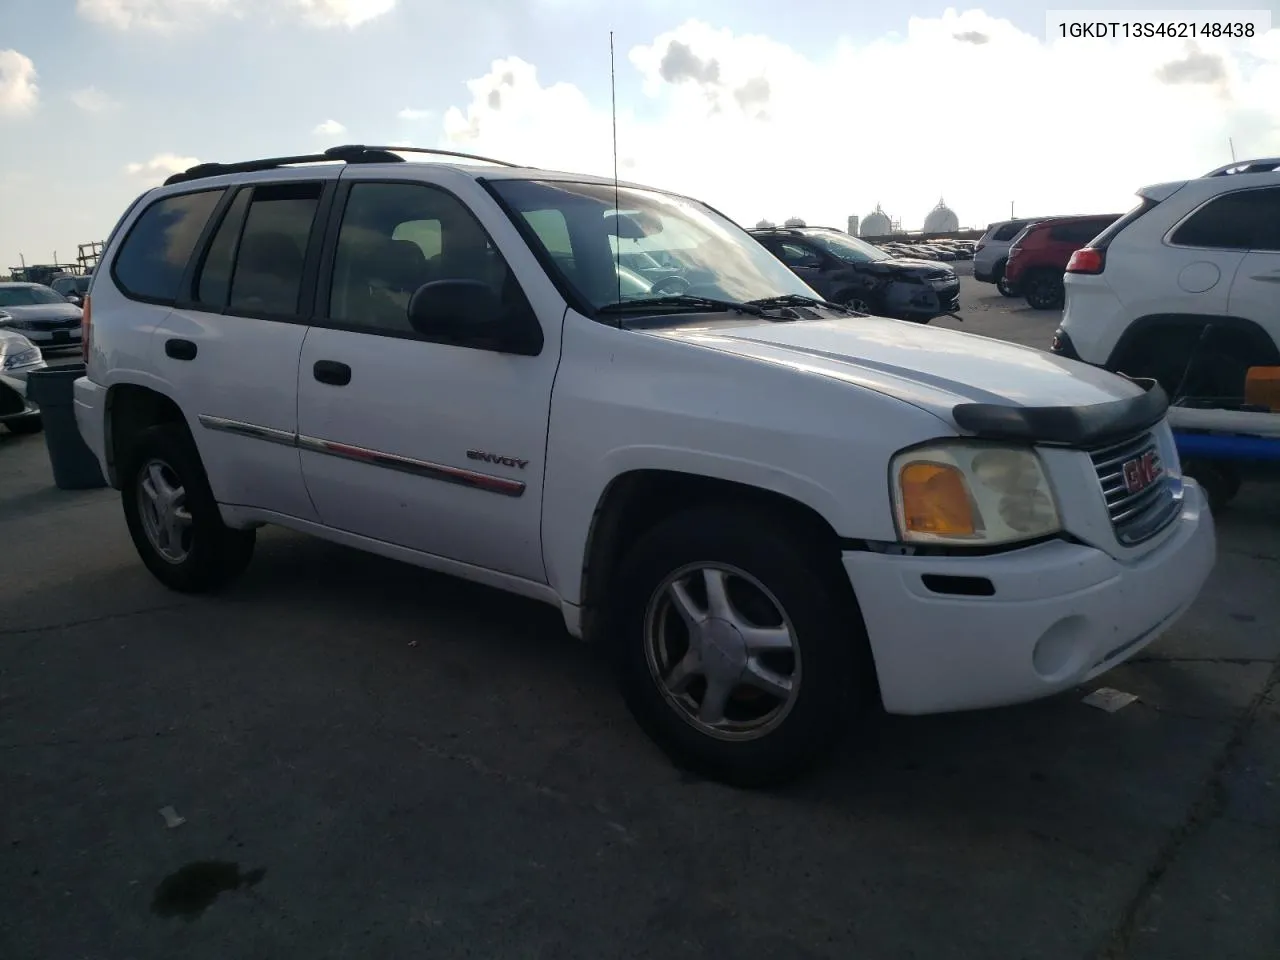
column 805, row 262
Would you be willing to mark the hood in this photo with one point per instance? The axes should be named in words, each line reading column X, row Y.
column 925, row 269
column 44, row 311
column 929, row 367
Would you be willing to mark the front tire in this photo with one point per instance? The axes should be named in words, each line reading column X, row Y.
column 173, row 518
column 737, row 650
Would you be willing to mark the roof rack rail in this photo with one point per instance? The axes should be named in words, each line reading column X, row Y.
column 1262, row 165
column 347, row 153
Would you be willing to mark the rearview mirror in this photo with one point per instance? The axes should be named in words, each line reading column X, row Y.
column 469, row 313
column 632, row 226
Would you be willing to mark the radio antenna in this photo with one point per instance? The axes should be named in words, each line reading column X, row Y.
column 613, row 110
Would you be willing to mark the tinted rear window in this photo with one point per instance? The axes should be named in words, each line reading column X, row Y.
column 1079, row 231
column 1009, row 230
column 154, row 255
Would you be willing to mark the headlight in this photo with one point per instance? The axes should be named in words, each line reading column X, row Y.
column 18, row 352
column 5, row 317
column 961, row 493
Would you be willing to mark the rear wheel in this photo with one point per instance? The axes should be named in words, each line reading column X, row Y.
column 173, row 518
column 1001, row 283
column 859, row 301
column 1045, row 291
column 736, row 650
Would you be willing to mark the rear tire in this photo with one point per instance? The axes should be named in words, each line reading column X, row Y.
column 25, row 425
column 173, row 518
column 1001, row 283
column 1045, row 291
column 798, row 626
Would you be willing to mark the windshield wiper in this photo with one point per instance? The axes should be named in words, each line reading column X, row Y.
column 681, row 301
column 797, row 300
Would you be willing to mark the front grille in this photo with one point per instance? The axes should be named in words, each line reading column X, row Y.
column 67, row 323
column 1136, row 515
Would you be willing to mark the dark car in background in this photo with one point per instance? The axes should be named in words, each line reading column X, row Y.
column 72, row 287
column 852, row 272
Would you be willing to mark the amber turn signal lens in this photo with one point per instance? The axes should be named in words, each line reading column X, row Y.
column 935, row 500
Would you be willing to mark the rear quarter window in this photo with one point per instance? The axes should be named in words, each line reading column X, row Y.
column 1008, row 231
column 155, row 252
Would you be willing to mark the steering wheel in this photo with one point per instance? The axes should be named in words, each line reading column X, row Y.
column 673, row 286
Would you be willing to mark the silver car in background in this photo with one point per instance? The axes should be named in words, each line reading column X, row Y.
column 43, row 316
column 18, row 357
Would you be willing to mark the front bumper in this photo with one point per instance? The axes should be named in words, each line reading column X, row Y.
column 1061, row 613
column 14, row 409
column 67, row 337
column 916, row 301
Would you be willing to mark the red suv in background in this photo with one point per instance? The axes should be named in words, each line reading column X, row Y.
column 1038, row 256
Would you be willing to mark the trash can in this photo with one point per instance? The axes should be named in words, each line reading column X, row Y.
column 74, row 465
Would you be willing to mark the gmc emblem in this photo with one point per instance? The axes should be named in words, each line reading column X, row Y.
column 1140, row 472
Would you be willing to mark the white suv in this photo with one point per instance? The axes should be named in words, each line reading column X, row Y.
column 772, row 510
column 1194, row 269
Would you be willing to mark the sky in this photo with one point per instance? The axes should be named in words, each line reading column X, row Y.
column 810, row 108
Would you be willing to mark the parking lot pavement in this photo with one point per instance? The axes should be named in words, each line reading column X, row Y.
column 364, row 759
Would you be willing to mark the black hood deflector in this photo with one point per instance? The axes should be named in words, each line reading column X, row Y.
column 1093, row 425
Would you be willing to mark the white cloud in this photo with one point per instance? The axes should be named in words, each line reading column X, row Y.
column 330, row 128
column 343, row 13
column 409, row 113
column 19, row 93
column 164, row 15
column 155, row 170
column 93, row 100
column 759, row 130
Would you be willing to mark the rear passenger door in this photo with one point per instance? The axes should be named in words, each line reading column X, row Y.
column 1255, row 295
column 231, row 345
column 805, row 262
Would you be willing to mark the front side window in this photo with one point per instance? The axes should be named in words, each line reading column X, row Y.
column 604, row 225
column 155, row 252
column 267, row 277
column 847, row 248
column 397, row 237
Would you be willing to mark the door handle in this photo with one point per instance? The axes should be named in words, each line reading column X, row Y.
column 332, row 372
column 180, row 349
column 1272, row 277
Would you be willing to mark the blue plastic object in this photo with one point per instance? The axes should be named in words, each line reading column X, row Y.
column 1218, row 446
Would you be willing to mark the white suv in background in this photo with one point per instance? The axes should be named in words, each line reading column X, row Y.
column 771, row 510
column 1194, row 269
column 992, row 252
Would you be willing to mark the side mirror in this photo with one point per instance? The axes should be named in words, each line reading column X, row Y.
column 468, row 312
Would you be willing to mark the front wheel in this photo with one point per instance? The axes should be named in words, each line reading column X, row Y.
column 173, row 518
column 737, row 651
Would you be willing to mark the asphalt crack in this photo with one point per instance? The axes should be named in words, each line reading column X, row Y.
column 1208, row 806
column 102, row 618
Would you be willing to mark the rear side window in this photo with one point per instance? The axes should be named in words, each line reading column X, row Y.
column 1229, row 222
column 214, row 283
column 1009, row 230
column 155, row 252
column 1077, row 231
column 267, row 277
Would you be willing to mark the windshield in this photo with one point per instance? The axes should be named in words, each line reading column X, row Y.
column 66, row 285
column 28, row 296
column 847, row 248
column 661, row 237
